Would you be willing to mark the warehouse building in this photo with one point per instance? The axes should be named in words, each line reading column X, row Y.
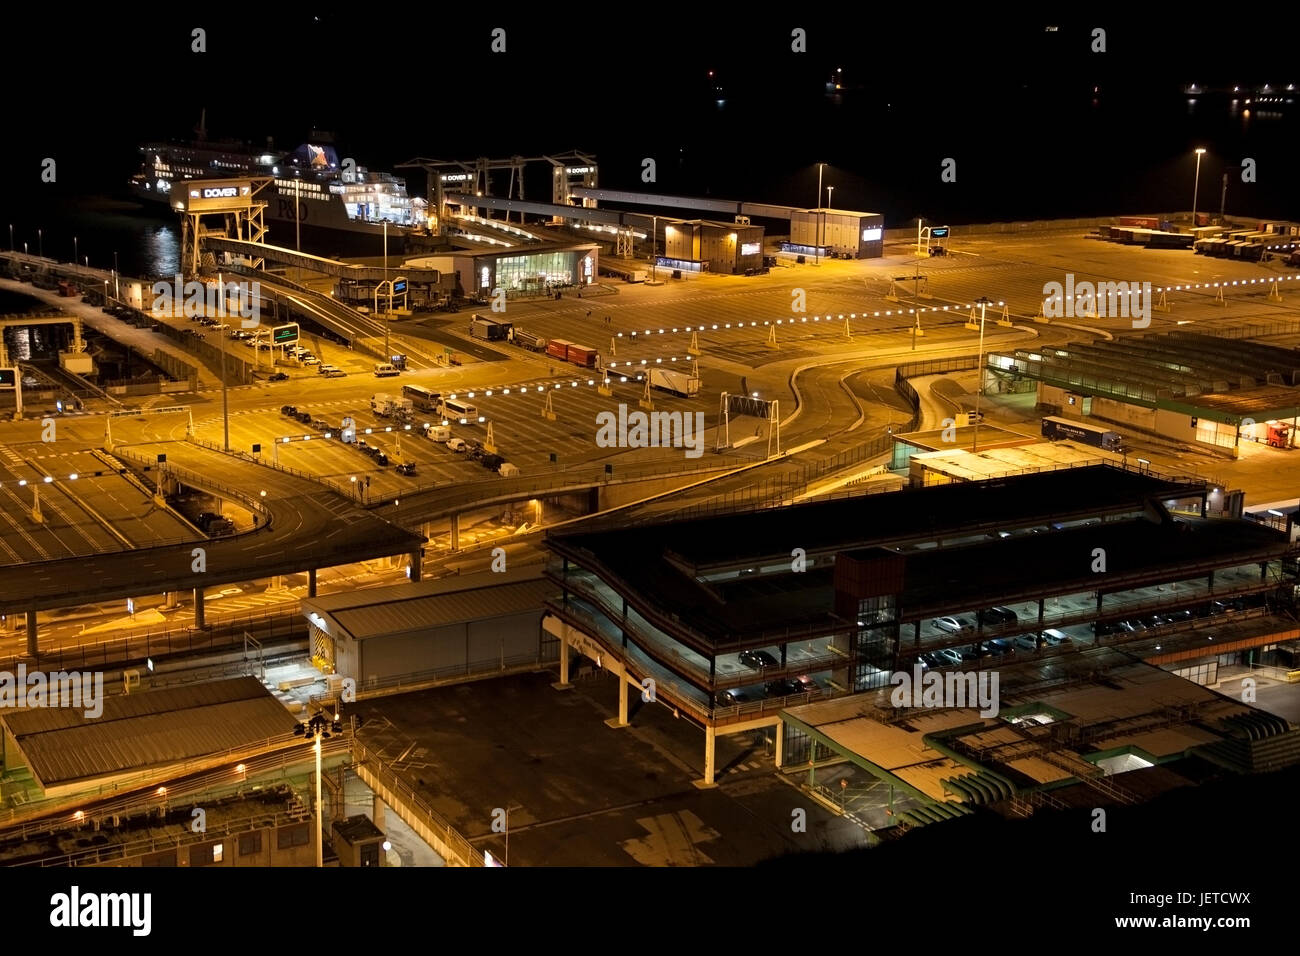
column 837, row 232
column 729, row 619
column 701, row 245
column 1214, row 392
column 430, row 632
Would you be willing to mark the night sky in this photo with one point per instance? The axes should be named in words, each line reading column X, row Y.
column 1039, row 124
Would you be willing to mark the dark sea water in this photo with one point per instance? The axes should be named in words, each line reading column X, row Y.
column 1039, row 125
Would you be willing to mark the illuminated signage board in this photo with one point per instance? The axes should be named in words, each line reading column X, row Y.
column 939, row 232
column 579, row 170
column 8, row 378
column 218, row 194
column 872, row 235
column 455, row 177
column 399, row 286
column 750, row 248
column 284, row 334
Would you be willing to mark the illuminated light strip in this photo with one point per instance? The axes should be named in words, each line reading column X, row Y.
column 816, row 318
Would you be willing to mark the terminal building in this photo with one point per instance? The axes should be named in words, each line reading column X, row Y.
column 700, row 245
column 1209, row 391
column 736, row 617
column 837, row 232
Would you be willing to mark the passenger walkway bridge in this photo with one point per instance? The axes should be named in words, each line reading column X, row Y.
column 320, row 264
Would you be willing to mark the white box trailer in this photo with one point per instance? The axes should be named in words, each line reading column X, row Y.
column 679, row 383
column 388, row 406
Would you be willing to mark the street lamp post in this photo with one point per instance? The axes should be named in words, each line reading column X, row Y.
column 221, row 335
column 830, row 195
column 76, row 253
column 319, row 727
column 817, row 251
column 40, row 243
column 388, row 313
column 117, row 292
column 979, row 371
column 654, row 248
column 1196, row 184
column 11, row 237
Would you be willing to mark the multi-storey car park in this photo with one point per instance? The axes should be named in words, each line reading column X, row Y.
column 735, row 617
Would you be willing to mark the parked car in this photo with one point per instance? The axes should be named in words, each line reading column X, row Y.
column 946, row 656
column 385, row 370
column 1026, row 642
column 999, row 647
column 310, row 359
column 954, row 625
column 1054, row 638
column 289, row 410
column 278, row 377
column 457, row 444
column 805, row 682
column 729, row 698
column 782, row 687
column 332, row 372
column 756, row 659
column 381, row 458
column 406, row 468
column 996, row 616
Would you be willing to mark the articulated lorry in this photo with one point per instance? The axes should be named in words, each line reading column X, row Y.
column 679, row 383
column 524, row 339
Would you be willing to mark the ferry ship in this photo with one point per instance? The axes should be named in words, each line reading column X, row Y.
column 329, row 199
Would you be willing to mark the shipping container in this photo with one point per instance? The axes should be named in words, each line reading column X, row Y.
column 558, row 348
column 582, row 355
column 482, row 327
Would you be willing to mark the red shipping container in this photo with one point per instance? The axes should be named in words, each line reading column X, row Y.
column 558, row 348
column 582, row 355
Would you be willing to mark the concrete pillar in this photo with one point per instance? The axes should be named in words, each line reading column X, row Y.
column 198, row 607
column 710, row 752
column 621, row 720
column 169, row 600
column 455, row 532
column 311, row 582
column 780, row 743
column 31, row 634
column 563, row 683
column 416, row 557
column 377, row 812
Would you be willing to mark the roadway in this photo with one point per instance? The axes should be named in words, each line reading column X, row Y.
column 833, row 390
column 310, row 527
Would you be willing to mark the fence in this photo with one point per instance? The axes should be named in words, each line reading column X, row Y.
column 389, row 778
column 223, row 633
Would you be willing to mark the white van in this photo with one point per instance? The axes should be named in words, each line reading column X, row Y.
column 385, row 370
column 439, row 433
column 507, row 470
column 457, row 444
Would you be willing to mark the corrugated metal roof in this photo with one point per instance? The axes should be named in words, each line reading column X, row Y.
column 146, row 729
column 431, row 604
